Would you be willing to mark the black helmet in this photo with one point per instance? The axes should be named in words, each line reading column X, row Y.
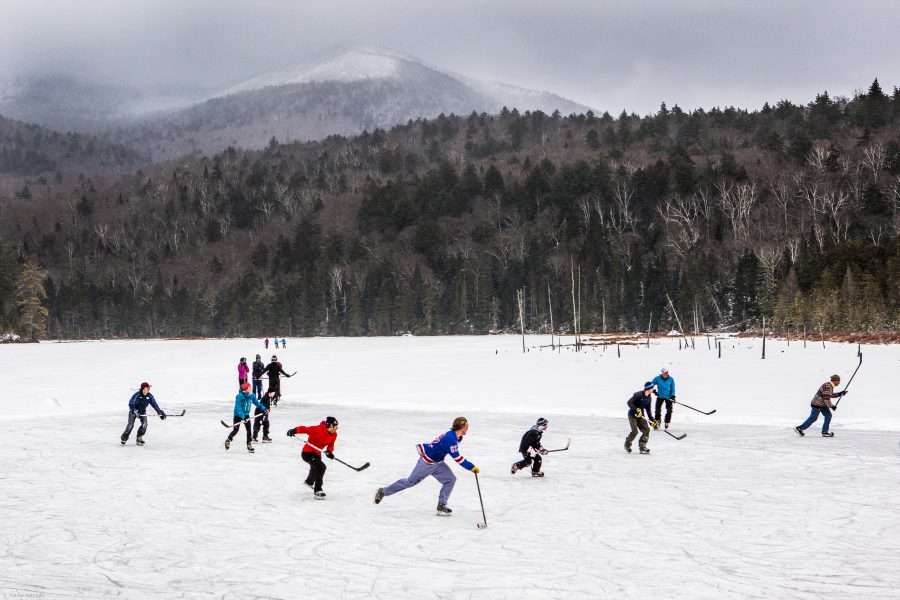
column 258, row 357
column 274, row 358
column 542, row 422
column 331, row 422
column 243, row 359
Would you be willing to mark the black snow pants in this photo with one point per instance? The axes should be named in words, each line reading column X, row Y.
column 535, row 462
column 237, row 427
column 668, row 402
column 261, row 419
column 316, row 470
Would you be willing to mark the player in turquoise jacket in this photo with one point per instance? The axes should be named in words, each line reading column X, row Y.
column 242, row 404
column 431, row 462
column 665, row 392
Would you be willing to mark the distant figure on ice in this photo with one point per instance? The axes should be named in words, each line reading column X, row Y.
column 665, row 392
column 242, row 414
column 431, row 462
column 531, row 449
column 267, row 343
column 259, row 368
column 276, row 343
column 243, row 369
column 283, row 344
column 320, row 437
column 821, row 403
column 275, row 371
column 638, row 408
column 261, row 418
column 137, row 409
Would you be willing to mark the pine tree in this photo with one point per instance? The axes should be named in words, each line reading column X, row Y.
column 30, row 294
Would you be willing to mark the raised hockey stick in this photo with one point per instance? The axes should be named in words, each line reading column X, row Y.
column 702, row 412
column 480, row 501
column 357, row 469
column 677, row 437
column 568, row 441
column 859, row 353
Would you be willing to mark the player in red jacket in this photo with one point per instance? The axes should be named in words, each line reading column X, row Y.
column 320, row 437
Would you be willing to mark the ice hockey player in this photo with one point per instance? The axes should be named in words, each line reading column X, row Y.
column 266, row 343
column 243, row 369
column 274, row 370
column 320, row 437
column 259, row 368
column 821, row 403
column 638, row 408
column 431, row 462
column 665, row 392
column 242, row 414
column 137, row 409
column 531, row 449
column 261, row 418
column 276, row 343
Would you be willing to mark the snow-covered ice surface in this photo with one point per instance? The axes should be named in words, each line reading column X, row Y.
column 741, row 508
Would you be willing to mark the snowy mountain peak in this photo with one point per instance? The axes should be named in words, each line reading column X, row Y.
column 351, row 65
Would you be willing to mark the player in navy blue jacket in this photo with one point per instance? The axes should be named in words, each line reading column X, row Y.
column 431, row 462
column 137, row 409
column 638, row 408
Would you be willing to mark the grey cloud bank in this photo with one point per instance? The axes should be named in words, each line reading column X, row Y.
column 611, row 55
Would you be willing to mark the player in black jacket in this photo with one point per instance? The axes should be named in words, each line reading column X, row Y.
column 274, row 371
column 531, row 449
column 638, row 409
column 259, row 367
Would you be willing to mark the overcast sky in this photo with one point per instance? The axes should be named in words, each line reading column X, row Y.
column 607, row 54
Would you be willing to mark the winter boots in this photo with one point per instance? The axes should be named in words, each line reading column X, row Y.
column 227, row 444
column 537, row 473
column 320, row 495
column 514, row 468
column 379, row 495
column 139, row 441
column 645, row 450
column 443, row 510
column 827, row 434
column 266, row 440
column 627, row 448
column 799, row 431
column 250, row 448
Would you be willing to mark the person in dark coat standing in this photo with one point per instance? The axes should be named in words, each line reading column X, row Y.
column 261, row 418
column 259, row 368
column 531, row 449
column 638, row 409
column 137, row 409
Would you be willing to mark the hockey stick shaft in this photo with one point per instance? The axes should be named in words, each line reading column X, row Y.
column 677, row 437
column 851, row 378
column 357, row 469
column 181, row 414
column 702, row 412
column 480, row 501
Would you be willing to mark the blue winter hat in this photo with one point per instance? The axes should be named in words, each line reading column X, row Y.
column 648, row 385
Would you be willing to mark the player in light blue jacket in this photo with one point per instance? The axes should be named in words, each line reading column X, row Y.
column 431, row 462
column 665, row 392
column 242, row 404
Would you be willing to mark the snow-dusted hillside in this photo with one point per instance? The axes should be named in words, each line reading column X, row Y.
column 741, row 508
column 345, row 94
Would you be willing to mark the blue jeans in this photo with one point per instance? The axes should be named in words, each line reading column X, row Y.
column 439, row 471
column 814, row 414
column 257, row 388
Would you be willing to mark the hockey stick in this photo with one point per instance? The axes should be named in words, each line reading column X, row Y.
column 181, row 414
column 677, row 437
column 238, row 424
column 568, row 441
column 357, row 469
column 480, row 501
column 702, row 412
column 851, row 377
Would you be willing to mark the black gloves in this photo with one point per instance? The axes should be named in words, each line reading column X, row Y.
column 162, row 416
column 290, row 433
column 329, row 454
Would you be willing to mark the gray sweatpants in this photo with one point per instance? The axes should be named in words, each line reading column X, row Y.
column 439, row 471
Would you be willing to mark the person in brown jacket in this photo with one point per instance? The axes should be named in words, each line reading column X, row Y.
column 821, row 403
